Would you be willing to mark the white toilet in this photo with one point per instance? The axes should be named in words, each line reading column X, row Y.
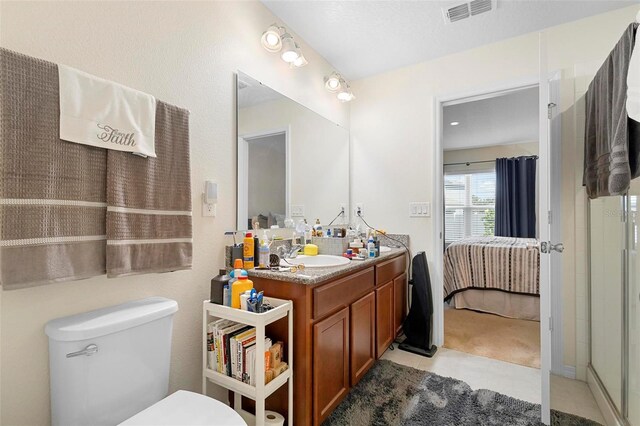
column 111, row 366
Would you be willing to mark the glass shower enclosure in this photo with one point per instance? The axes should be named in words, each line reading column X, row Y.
column 614, row 300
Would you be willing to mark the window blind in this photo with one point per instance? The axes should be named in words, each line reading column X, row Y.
column 470, row 201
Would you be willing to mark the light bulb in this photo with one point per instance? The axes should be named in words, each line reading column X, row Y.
column 300, row 62
column 345, row 94
column 332, row 83
column 271, row 39
column 290, row 51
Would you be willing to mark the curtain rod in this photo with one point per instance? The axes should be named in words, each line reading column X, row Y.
column 468, row 163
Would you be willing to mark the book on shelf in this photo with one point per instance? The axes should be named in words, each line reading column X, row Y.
column 231, row 350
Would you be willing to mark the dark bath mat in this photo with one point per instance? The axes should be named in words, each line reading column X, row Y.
column 393, row 394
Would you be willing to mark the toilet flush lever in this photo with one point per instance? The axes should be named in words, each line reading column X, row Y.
column 88, row 351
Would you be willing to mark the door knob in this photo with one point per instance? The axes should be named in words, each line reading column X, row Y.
column 547, row 247
column 557, row 247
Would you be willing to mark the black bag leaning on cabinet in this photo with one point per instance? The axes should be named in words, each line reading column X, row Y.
column 418, row 324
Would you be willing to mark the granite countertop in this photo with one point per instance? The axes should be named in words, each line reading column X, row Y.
column 317, row 275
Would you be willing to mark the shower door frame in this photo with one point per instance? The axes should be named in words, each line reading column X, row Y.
column 621, row 414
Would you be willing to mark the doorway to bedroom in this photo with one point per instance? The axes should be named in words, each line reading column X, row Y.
column 490, row 269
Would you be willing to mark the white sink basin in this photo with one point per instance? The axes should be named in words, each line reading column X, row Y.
column 319, row 261
column 384, row 249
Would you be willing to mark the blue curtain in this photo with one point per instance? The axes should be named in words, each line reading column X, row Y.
column 516, row 197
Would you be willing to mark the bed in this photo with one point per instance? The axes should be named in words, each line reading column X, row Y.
column 500, row 275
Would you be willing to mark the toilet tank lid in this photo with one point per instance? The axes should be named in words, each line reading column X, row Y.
column 111, row 319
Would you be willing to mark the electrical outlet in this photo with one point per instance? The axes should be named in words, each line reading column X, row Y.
column 359, row 210
column 208, row 210
column 343, row 209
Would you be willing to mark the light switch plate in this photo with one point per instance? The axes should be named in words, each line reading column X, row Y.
column 420, row 209
column 297, row 210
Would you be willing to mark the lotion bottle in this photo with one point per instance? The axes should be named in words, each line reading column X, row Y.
column 249, row 251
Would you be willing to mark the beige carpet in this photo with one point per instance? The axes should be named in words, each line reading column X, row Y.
column 492, row 336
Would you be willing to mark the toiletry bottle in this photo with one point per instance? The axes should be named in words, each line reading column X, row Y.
column 318, row 228
column 265, row 252
column 235, row 274
column 243, row 284
column 218, row 283
column 371, row 247
column 249, row 251
column 256, row 249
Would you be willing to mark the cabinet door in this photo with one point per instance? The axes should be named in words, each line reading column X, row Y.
column 330, row 364
column 384, row 318
column 363, row 336
column 399, row 302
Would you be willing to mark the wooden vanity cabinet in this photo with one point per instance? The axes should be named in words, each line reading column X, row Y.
column 384, row 318
column 330, row 363
column 362, row 336
column 341, row 326
column 400, row 288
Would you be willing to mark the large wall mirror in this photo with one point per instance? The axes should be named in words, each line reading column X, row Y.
column 292, row 162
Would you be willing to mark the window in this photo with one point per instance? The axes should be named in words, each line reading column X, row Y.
column 470, row 205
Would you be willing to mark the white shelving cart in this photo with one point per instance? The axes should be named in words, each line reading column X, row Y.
column 260, row 392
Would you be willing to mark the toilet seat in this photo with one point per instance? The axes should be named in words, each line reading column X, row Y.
column 184, row 408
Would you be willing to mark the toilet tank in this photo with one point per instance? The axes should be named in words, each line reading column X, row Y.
column 109, row 364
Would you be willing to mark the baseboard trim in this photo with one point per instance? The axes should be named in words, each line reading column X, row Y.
column 569, row 371
column 608, row 410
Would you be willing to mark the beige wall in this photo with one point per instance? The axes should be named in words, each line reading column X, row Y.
column 392, row 127
column 185, row 54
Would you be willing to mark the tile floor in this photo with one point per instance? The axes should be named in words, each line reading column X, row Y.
column 575, row 397
column 520, row 382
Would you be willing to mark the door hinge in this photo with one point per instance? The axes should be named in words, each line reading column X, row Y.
column 550, row 107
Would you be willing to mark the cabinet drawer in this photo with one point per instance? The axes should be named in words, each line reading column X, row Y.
column 342, row 292
column 388, row 270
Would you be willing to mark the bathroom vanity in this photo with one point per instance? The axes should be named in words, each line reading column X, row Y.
column 344, row 319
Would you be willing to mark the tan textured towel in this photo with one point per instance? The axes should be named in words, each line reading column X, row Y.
column 611, row 139
column 52, row 192
column 149, row 202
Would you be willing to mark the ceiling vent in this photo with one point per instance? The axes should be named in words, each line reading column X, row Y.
column 480, row 6
column 466, row 10
column 457, row 13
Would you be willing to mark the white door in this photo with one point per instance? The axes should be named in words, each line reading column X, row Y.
column 549, row 144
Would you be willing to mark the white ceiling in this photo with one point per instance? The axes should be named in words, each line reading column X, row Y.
column 364, row 38
column 506, row 119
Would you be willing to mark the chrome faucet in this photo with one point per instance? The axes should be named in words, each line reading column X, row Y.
column 293, row 253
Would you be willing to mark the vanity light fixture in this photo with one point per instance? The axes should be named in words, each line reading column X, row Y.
column 300, row 62
column 290, row 50
column 335, row 83
column 346, row 94
column 271, row 38
column 276, row 39
column 332, row 83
